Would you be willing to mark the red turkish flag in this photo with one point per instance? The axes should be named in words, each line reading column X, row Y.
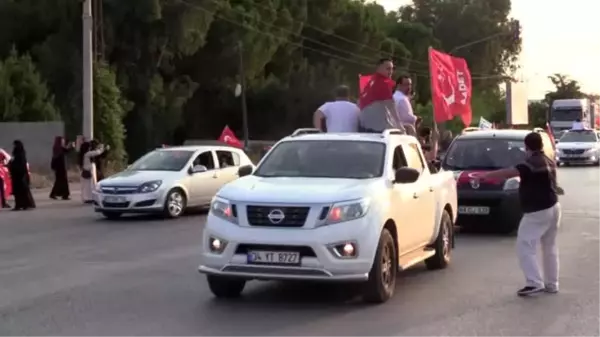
column 451, row 87
column 229, row 138
column 363, row 81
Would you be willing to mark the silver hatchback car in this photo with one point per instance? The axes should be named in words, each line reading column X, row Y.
column 169, row 180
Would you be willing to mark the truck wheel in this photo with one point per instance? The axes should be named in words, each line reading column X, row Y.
column 382, row 277
column 442, row 244
column 112, row 215
column 225, row 287
column 175, row 203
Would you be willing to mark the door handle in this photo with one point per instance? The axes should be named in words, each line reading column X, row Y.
column 415, row 196
column 430, row 189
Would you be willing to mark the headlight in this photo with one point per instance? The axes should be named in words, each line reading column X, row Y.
column 512, row 184
column 223, row 209
column 347, row 210
column 150, row 186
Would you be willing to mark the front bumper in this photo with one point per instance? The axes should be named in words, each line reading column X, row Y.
column 130, row 203
column 317, row 261
column 578, row 159
column 505, row 208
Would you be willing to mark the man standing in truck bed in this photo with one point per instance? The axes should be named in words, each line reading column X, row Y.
column 378, row 110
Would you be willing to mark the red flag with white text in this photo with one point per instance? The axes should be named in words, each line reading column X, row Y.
column 229, row 138
column 451, row 87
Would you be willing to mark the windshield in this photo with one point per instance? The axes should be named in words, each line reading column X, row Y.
column 578, row 137
column 324, row 159
column 484, row 154
column 566, row 115
column 162, row 160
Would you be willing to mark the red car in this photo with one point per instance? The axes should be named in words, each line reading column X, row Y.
column 4, row 174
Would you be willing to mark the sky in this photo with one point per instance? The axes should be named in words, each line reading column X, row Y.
column 558, row 37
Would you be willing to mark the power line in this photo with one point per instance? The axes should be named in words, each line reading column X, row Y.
column 298, row 45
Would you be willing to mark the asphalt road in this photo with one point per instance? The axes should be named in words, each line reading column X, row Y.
column 66, row 271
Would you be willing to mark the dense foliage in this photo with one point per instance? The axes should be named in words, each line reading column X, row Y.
column 168, row 68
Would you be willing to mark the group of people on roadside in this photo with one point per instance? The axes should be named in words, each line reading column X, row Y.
column 383, row 104
column 90, row 159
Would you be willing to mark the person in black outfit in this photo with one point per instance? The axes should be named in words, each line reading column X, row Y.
column 19, row 174
column 59, row 166
column 99, row 160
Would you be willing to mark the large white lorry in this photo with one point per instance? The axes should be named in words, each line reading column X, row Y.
column 331, row 207
column 564, row 112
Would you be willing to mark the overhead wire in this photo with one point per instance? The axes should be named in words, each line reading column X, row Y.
column 301, row 46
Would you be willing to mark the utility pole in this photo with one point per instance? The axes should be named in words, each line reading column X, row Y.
column 243, row 94
column 88, row 67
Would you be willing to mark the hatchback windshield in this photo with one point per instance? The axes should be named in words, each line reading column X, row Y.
column 578, row 137
column 485, row 154
column 162, row 160
column 324, row 159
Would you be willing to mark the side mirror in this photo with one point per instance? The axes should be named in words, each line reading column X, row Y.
column 198, row 169
column 406, row 175
column 245, row 170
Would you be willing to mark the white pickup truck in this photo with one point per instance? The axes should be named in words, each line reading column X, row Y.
column 331, row 207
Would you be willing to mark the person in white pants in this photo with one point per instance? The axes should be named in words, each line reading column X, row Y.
column 538, row 194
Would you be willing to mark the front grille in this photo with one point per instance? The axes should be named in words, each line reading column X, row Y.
column 466, row 186
column 118, row 189
column 116, row 204
column 303, row 250
column 479, row 202
column 292, row 216
column 571, row 151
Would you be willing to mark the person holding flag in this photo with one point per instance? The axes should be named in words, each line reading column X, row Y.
column 378, row 109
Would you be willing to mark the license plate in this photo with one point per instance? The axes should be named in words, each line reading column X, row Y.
column 268, row 257
column 474, row 210
column 114, row 199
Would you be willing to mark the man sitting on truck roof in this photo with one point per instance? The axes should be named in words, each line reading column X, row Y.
column 577, row 125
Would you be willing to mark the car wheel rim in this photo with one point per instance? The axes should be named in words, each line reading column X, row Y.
column 446, row 241
column 386, row 266
column 175, row 203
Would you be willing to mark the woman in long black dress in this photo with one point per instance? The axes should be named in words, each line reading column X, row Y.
column 59, row 166
column 19, row 174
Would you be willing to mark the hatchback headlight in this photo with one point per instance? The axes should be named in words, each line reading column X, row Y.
column 512, row 184
column 223, row 209
column 347, row 210
column 149, row 186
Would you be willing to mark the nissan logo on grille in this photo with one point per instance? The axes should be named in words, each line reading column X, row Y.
column 276, row 216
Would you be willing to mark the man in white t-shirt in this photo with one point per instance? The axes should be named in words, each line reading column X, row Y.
column 403, row 104
column 340, row 115
column 577, row 125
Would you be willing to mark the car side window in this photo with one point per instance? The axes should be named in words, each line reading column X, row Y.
column 205, row 159
column 399, row 159
column 228, row 159
column 413, row 157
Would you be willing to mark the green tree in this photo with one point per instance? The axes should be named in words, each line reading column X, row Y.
column 109, row 109
column 565, row 88
column 24, row 96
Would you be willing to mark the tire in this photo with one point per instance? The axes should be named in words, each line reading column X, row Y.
column 382, row 277
column 442, row 245
column 225, row 287
column 112, row 215
column 175, row 204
